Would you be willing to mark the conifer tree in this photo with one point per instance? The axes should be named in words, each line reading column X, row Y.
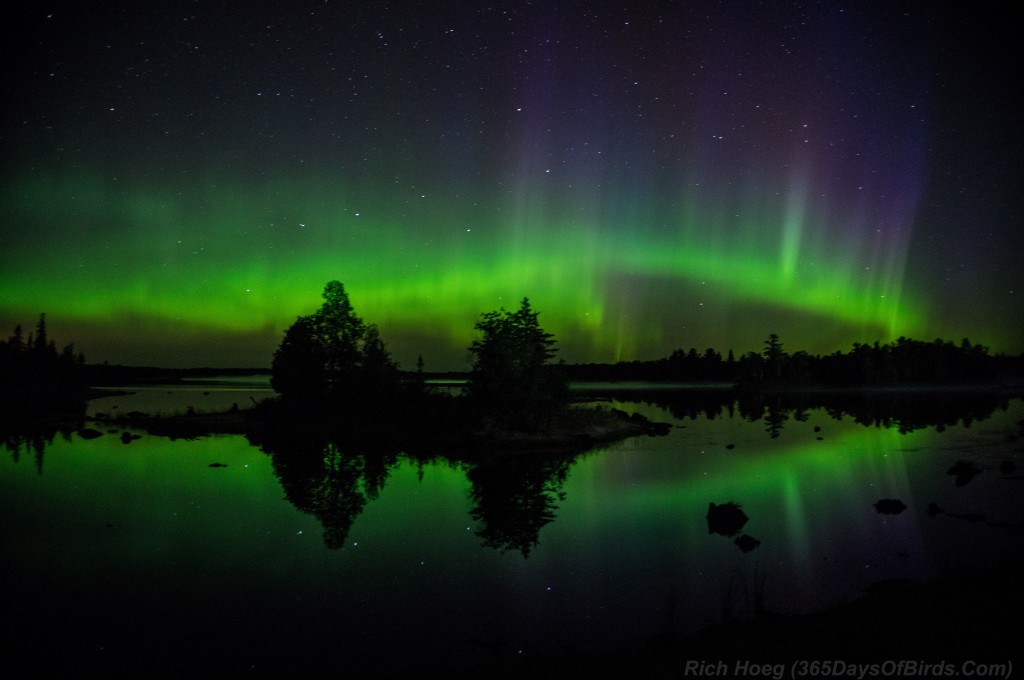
column 332, row 352
column 511, row 381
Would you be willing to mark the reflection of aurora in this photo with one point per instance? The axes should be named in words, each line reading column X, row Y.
column 809, row 500
column 807, row 476
column 610, row 538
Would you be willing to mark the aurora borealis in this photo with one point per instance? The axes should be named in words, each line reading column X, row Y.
column 181, row 181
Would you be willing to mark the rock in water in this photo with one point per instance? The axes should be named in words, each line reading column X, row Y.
column 726, row 519
column 964, row 471
column 746, row 543
column 890, row 506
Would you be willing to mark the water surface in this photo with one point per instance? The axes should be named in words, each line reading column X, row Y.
column 142, row 555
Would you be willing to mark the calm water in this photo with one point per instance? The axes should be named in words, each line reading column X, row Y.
column 142, row 556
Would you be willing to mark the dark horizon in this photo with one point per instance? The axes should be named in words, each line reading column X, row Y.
column 905, row 363
column 707, row 362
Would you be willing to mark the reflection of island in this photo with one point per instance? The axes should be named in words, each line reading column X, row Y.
column 331, row 472
column 903, row 409
column 328, row 472
column 334, row 486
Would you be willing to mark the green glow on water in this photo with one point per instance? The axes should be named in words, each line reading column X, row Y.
column 151, row 522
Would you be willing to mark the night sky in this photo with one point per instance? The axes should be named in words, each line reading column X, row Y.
column 180, row 179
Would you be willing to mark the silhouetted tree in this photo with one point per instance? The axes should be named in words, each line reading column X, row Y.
column 17, row 341
column 41, row 394
column 333, row 353
column 300, row 362
column 340, row 332
column 774, row 357
column 40, row 336
column 750, row 369
column 33, row 375
column 379, row 371
column 511, row 382
column 799, row 369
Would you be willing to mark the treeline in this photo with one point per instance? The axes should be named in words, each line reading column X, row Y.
column 903, row 362
column 34, row 373
column 680, row 366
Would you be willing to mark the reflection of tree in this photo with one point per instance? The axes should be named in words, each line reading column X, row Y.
column 331, row 473
column 770, row 408
column 33, row 429
column 332, row 487
column 774, row 418
column 515, row 496
column 688, row 404
column 905, row 410
column 908, row 411
column 326, row 474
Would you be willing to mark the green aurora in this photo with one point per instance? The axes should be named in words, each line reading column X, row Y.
column 174, row 195
column 238, row 264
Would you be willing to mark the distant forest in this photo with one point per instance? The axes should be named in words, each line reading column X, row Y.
column 904, row 362
column 34, row 371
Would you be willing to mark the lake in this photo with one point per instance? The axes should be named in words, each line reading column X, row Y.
column 212, row 556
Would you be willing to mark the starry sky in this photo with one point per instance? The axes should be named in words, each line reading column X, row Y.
column 181, row 179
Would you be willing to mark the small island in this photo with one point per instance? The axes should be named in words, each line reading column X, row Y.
column 334, row 374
